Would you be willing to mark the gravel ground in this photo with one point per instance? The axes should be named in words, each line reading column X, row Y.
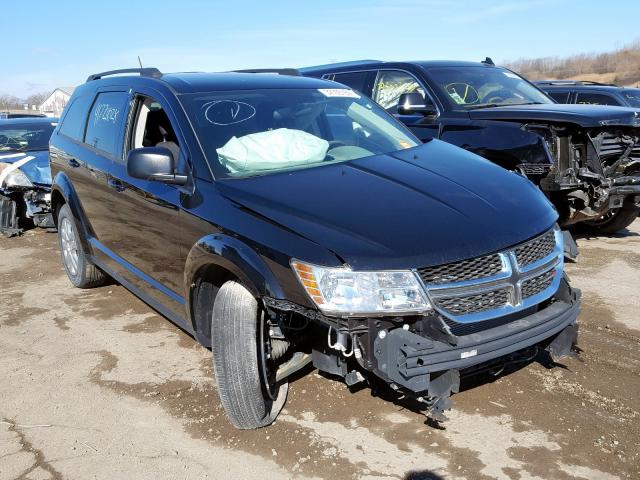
column 95, row 384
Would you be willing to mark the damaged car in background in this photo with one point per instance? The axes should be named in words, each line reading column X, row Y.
column 585, row 158
column 286, row 221
column 25, row 176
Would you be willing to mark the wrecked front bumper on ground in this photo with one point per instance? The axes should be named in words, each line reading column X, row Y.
column 25, row 194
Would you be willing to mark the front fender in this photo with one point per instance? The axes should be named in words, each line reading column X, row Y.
column 234, row 256
column 504, row 143
column 63, row 187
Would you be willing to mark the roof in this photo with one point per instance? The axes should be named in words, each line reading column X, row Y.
column 208, row 82
column 378, row 63
column 67, row 90
column 580, row 86
column 200, row 82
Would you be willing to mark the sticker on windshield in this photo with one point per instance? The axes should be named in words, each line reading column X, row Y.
column 338, row 92
column 511, row 75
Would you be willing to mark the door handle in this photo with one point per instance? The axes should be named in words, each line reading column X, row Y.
column 117, row 185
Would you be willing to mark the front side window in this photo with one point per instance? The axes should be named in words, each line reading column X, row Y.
column 152, row 127
column 104, row 126
column 390, row 84
column 469, row 87
column 587, row 98
column 255, row 132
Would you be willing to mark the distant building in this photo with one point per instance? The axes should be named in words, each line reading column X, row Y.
column 55, row 103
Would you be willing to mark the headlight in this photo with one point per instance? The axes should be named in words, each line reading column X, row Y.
column 15, row 178
column 345, row 292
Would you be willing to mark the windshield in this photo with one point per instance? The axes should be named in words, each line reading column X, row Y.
column 480, row 87
column 26, row 136
column 254, row 132
column 632, row 95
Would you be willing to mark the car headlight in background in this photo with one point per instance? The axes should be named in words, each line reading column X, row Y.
column 15, row 178
column 345, row 292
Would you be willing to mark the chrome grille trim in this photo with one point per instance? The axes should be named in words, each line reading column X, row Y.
column 534, row 250
column 531, row 273
column 470, row 269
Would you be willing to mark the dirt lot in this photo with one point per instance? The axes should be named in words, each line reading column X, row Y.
column 95, row 384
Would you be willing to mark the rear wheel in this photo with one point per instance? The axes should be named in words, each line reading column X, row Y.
column 615, row 220
column 244, row 371
column 81, row 272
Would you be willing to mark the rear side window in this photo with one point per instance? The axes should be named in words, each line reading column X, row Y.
column 597, row 99
column 355, row 80
column 75, row 118
column 560, row 97
column 104, row 128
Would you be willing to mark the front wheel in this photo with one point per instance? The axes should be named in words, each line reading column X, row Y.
column 81, row 272
column 614, row 220
column 241, row 359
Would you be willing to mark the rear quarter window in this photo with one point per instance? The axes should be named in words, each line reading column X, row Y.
column 104, row 127
column 355, row 80
column 75, row 117
column 560, row 97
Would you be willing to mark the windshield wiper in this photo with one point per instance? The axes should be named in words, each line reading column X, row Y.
column 483, row 105
column 491, row 105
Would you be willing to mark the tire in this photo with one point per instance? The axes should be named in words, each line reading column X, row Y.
column 235, row 344
column 81, row 272
column 615, row 221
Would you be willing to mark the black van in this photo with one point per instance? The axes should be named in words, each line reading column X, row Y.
column 284, row 221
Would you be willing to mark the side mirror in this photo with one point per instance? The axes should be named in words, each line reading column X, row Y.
column 154, row 163
column 412, row 103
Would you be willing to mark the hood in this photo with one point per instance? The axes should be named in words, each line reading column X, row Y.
column 36, row 169
column 583, row 115
column 428, row 205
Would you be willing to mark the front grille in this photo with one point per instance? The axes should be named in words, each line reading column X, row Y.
column 536, row 249
column 495, row 285
column 537, row 284
column 613, row 146
column 480, row 302
column 472, row 269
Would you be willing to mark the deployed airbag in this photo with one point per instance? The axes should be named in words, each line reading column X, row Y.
column 273, row 149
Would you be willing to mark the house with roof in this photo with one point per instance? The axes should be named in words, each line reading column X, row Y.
column 55, row 103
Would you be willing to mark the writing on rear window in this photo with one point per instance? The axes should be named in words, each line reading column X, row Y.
column 105, row 113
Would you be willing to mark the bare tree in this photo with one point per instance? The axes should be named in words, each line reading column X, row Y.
column 37, row 98
column 9, row 102
column 622, row 65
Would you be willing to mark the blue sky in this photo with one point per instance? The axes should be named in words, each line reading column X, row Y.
column 49, row 44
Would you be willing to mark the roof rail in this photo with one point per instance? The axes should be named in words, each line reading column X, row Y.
column 276, row 71
column 144, row 72
column 573, row 82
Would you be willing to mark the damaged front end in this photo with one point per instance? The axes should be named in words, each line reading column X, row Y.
column 485, row 313
column 593, row 173
column 25, row 193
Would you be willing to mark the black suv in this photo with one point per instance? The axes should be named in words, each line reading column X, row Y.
column 285, row 220
column 585, row 158
column 590, row 93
